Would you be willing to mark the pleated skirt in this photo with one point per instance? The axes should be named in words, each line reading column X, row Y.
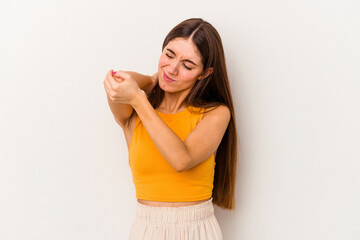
column 196, row 222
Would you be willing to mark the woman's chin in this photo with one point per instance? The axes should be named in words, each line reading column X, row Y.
column 163, row 86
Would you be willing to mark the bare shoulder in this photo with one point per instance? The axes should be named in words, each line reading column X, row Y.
column 221, row 112
column 216, row 118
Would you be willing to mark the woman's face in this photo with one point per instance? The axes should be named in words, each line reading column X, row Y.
column 179, row 66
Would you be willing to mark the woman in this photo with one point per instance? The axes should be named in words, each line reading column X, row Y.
column 180, row 130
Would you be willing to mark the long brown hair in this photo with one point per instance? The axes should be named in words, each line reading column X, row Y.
column 212, row 91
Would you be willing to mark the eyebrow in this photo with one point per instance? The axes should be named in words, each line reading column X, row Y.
column 187, row 60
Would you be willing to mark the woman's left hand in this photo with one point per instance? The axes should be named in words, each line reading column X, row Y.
column 121, row 87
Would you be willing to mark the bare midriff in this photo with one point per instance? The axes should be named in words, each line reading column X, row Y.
column 170, row 204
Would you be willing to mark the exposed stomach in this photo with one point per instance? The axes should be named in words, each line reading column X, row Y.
column 169, row 204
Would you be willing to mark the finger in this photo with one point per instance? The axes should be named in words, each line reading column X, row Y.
column 111, row 80
column 110, row 83
column 114, row 73
column 122, row 74
column 110, row 74
column 117, row 78
column 107, row 87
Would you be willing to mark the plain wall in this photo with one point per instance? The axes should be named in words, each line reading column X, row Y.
column 294, row 75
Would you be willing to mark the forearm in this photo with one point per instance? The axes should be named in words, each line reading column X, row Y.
column 171, row 147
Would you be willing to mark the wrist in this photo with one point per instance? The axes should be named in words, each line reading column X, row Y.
column 137, row 101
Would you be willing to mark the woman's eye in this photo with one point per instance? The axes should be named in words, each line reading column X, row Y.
column 183, row 63
column 186, row 67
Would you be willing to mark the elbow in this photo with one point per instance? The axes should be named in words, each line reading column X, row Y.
column 181, row 166
column 179, row 169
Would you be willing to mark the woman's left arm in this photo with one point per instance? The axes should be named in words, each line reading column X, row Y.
column 203, row 140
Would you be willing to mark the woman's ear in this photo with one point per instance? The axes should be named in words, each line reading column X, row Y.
column 206, row 74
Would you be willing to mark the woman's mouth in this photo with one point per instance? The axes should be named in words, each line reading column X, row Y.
column 167, row 78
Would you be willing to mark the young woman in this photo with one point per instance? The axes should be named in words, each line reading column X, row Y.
column 180, row 130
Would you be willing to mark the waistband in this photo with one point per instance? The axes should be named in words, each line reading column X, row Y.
column 175, row 215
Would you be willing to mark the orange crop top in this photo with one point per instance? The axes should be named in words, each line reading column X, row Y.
column 153, row 176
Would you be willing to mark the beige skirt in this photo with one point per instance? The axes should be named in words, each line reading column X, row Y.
column 195, row 222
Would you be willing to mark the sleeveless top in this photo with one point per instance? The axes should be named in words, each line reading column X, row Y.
column 153, row 176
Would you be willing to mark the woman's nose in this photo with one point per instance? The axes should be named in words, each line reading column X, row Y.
column 173, row 67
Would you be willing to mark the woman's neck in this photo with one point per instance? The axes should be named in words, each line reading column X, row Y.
column 173, row 102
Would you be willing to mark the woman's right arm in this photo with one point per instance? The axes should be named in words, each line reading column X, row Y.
column 122, row 112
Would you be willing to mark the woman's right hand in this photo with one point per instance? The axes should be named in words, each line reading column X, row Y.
column 121, row 87
column 145, row 82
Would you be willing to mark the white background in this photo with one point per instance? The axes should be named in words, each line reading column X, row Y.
column 295, row 79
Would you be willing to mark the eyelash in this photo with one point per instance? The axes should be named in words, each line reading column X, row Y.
column 183, row 63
